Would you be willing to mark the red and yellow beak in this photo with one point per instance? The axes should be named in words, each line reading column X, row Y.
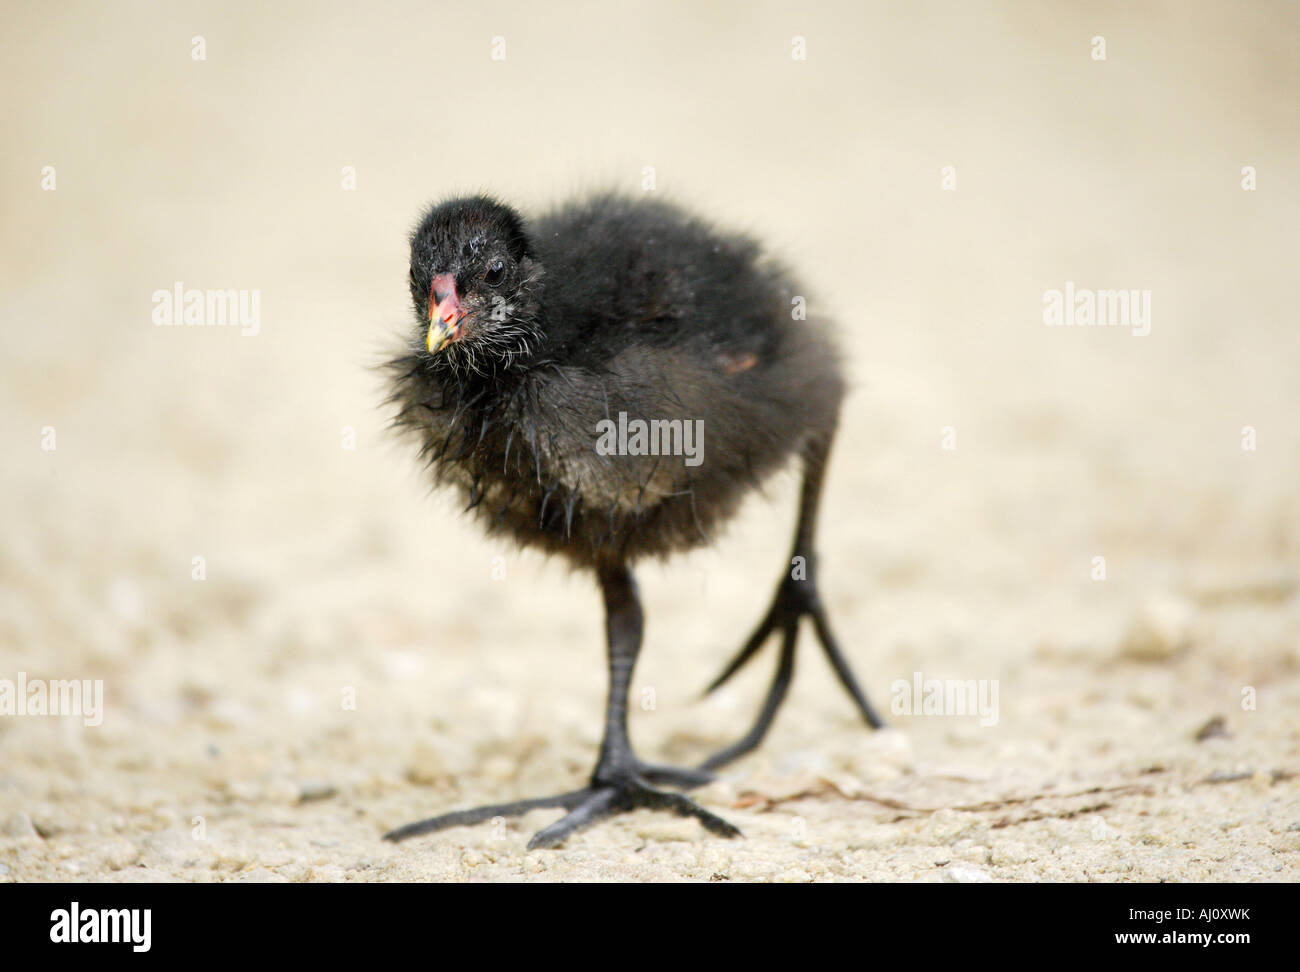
column 445, row 313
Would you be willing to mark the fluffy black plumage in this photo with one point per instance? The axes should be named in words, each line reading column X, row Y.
column 607, row 306
column 529, row 336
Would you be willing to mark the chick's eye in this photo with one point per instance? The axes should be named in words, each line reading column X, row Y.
column 496, row 272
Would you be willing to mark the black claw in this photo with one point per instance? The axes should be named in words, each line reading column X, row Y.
column 775, row 696
column 684, row 806
column 465, row 818
column 842, row 669
column 599, row 804
column 687, row 779
column 755, row 642
column 794, row 600
column 586, row 807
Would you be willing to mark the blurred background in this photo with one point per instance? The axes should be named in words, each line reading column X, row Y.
column 131, row 164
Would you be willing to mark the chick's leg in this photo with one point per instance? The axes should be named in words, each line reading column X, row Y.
column 796, row 597
column 621, row 781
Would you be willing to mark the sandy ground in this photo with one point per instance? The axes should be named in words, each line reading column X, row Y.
column 228, row 750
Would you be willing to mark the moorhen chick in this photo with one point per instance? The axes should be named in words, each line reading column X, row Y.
column 533, row 342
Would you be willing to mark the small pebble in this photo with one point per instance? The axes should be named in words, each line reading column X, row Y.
column 309, row 790
column 965, row 874
column 1011, row 852
column 1159, row 630
column 20, row 825
column 1215, row 728
column 260, row 875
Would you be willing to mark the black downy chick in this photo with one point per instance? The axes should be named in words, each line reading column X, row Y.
column 535, row 344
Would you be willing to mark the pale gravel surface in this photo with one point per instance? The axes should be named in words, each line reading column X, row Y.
column 329, row 569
